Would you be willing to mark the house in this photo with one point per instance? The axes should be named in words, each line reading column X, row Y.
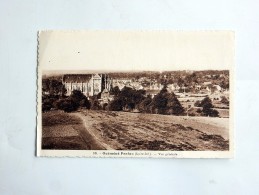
column 177, row 87
column 171, row 87
column 198, row 87
column 217, row 87
column 207, row 83
column 208, row 88
column 155, row 87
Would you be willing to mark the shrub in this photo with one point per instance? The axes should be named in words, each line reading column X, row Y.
column 214, row 113
column 197, row 103
column 115, row 105
column 68, row 105
column 85, row 103
column 48, row 102
column 192, row 113
column 208, row 111
column 199, row 110
column 46, row 106
column 206, row 100
column 94, row 103
column 105, row 106
column 144, row 105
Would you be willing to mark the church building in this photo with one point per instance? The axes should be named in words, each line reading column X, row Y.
column 88, row 84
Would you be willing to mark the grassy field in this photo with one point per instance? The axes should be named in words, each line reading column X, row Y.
column 96, row 130
column 63, row 131
column 135, row 131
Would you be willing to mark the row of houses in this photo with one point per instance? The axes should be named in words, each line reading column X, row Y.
column 93, row 84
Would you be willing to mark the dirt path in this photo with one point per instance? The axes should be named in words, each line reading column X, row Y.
column 88, row 133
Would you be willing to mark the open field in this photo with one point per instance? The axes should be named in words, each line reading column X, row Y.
column 62, row 131
column 96, row 130
column 135, row 131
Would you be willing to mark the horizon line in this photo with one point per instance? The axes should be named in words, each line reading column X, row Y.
column 125, row 71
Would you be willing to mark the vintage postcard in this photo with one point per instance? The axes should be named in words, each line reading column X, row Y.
column 158, row 94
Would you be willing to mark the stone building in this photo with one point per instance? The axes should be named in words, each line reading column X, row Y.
column 88, row 84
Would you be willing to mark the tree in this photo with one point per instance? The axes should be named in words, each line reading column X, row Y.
column 208, row 111
column 105, row 106
column 197, row 103
column 115, row 91
column 207, row 108
column 173, row 105
column 68, row 105
column 224, row 84
column 159, row 102
column 166, row 103
column 56, row 87
column 138, row 96
column 143, row 106
column 115, row 105
column 180, row 82
column 77, row 95
column 46, row 105
column 85, row 103
column 45, row 85
column 95, row 104
column 79, row 98
column 206, row 100
column 53, row 86
column 128, row 98
column 48, row 102
column 73, row 102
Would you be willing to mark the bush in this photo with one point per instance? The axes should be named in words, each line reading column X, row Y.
column 46, row 106
column 68, row 105
column 48, row 102
column 205, row 101
column 192, row 112
column 53, row 86
column 94, row 103
column 85, row 103
column 214, row 113
column 197, row 103
column 199, row 110
column 115, row 91
column 79, row 99
column 72, row 103
column 211, row 112
column 105, row 106
column 164, row 103
column 208, row 111
column 115, row 105
column 144, row 105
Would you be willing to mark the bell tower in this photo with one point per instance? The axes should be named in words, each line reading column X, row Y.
column 97, row 84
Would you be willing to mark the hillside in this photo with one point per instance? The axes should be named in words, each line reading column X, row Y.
column 134, row 131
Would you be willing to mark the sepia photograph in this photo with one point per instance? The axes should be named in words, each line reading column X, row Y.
column 135, row 94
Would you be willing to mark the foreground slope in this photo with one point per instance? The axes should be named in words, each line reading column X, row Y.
column 135, row 131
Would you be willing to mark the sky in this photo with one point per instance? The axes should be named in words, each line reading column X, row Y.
column 135, row 50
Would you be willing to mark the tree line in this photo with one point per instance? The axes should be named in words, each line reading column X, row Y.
column 127, row 99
